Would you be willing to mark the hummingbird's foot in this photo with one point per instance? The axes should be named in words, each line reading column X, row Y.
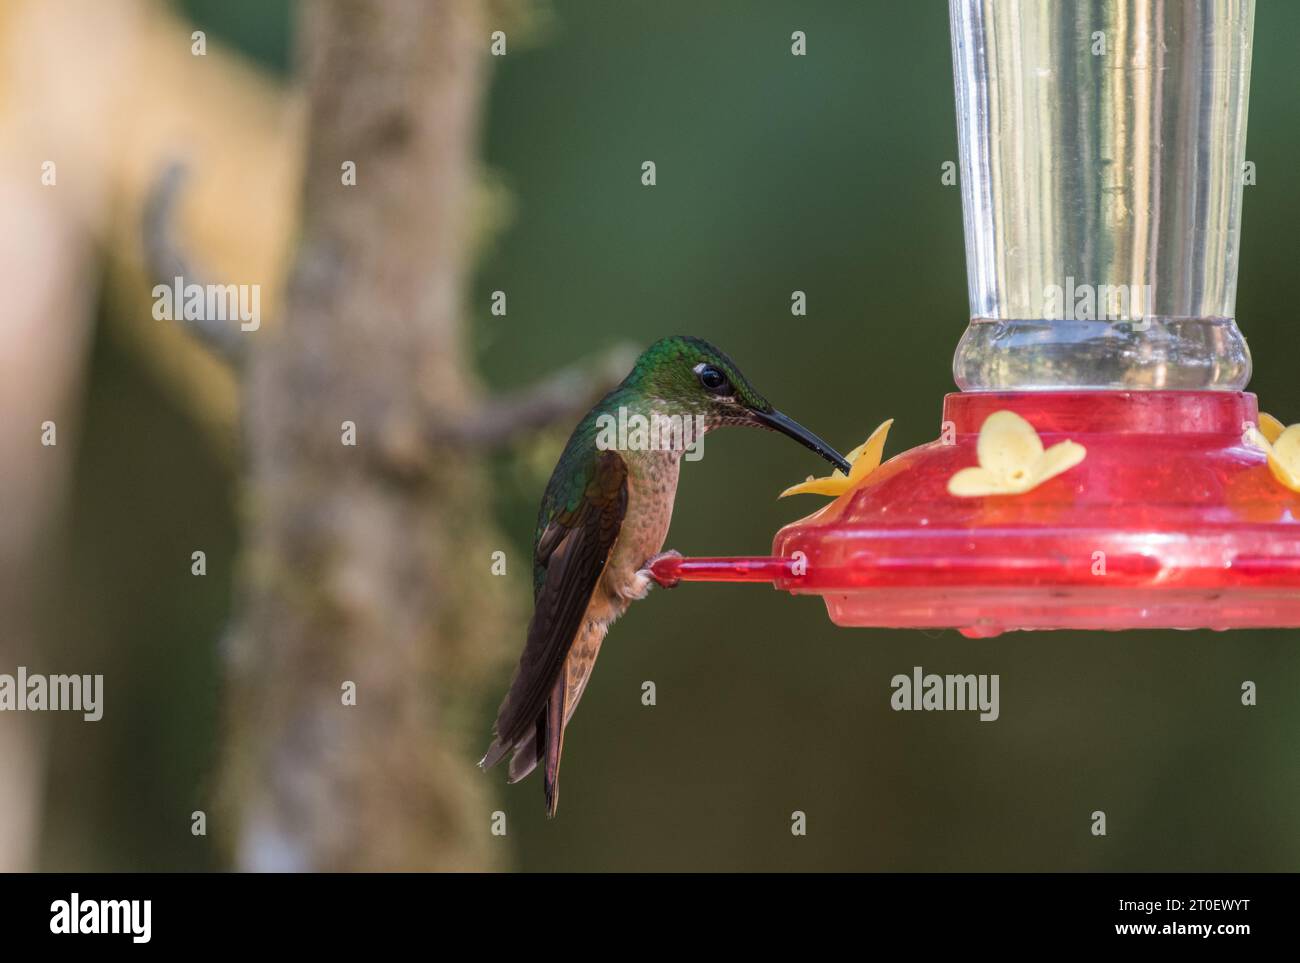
column 666, row 576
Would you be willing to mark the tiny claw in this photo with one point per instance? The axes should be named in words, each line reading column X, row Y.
column 663, row 568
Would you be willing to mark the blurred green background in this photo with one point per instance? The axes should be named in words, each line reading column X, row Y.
column 775, row 173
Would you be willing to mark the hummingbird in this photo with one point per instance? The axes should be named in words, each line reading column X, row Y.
column 601, row 526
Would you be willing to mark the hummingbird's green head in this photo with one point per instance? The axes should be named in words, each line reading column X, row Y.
column 687, row 376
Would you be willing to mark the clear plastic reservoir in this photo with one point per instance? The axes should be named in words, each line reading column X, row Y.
column 1102, row 149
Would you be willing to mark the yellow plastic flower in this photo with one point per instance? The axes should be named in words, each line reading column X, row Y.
column 1270, row 427
column 1012, row 459
column 1283, row 450
column 863, row 460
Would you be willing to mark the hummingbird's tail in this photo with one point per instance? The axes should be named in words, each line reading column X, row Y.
column 554, row 740
column 526, row 756
column 545, row 741
column 537, row 745
column 495, row 753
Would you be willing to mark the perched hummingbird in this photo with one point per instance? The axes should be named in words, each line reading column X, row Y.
column 602, row 523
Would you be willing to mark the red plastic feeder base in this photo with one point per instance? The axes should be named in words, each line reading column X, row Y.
column 1171, row 521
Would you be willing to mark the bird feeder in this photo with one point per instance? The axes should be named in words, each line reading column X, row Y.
column 1102, row 147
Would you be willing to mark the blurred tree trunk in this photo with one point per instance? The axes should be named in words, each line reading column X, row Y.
column 354, row 572
column 45, row 260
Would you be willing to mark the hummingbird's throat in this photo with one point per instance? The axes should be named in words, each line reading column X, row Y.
column 651, row 430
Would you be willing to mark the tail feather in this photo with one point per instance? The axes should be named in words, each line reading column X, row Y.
column 524, row 761
column 554, row 736
column 528, row 752
column 495, row 753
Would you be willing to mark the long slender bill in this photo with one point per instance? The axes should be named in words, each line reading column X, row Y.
column 788, row 426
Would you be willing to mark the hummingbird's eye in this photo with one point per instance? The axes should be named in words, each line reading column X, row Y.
column 713, row 380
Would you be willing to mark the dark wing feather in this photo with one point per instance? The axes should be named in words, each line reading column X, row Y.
column 573, row 549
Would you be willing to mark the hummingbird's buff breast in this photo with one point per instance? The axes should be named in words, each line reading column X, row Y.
column 651, row 488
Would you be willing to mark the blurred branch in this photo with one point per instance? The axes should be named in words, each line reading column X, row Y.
column 166, row 259
column 559, row 398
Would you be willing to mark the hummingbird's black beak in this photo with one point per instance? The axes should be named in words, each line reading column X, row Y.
column 788, row 426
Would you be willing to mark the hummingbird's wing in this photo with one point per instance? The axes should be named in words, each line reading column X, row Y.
column 572, row 550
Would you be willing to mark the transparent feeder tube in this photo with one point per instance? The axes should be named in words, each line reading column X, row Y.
column 1102, row 149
